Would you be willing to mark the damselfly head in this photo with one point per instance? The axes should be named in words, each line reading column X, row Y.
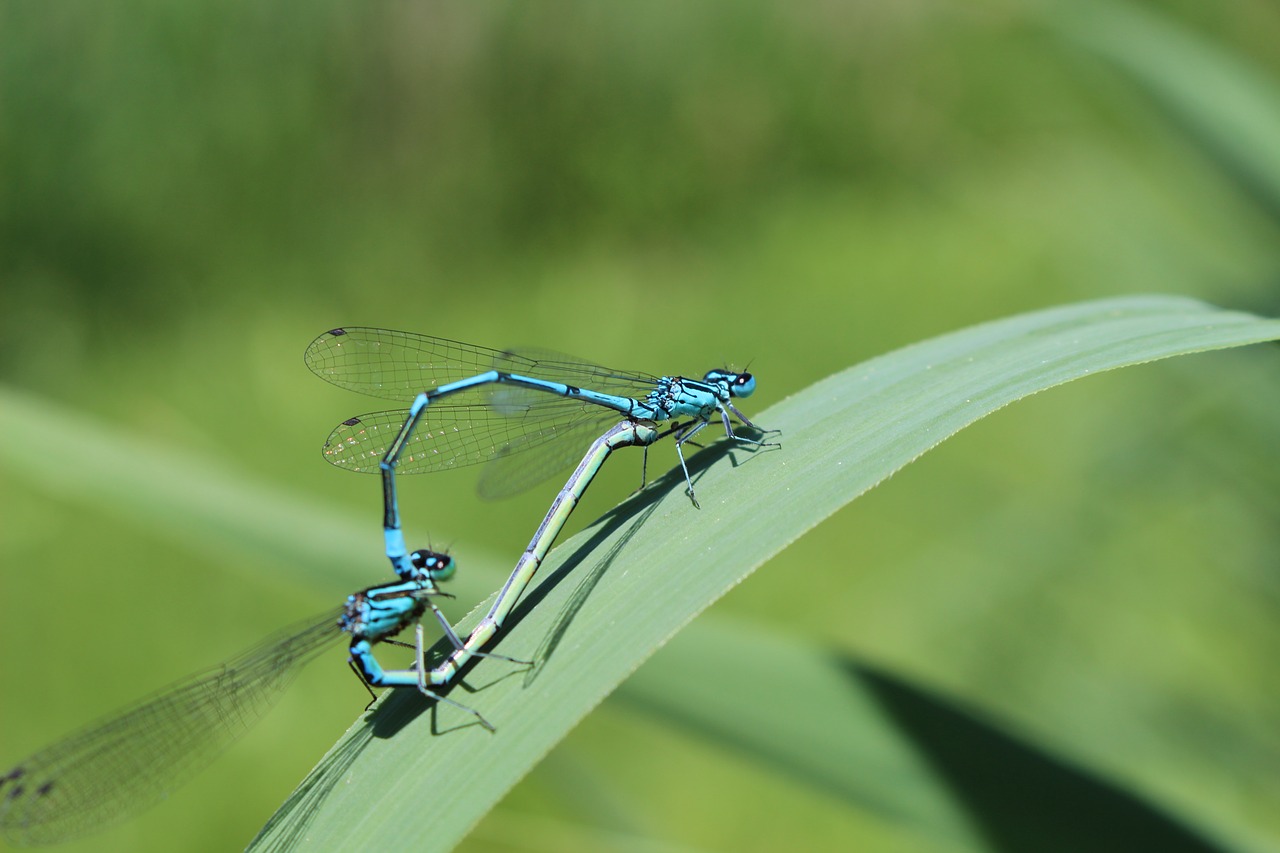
column 739, row 384
column 437, row 567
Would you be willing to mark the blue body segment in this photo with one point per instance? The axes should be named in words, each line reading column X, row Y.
column 113, row 770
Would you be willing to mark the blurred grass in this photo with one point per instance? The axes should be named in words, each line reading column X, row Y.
column 189, row 194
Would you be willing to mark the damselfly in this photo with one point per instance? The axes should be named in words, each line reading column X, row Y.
column 500, row 404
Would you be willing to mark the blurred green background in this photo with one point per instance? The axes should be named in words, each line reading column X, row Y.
column 190, row 193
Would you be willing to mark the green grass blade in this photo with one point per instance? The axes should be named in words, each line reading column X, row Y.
column 411, row 775
column 892, row 748
column 197, row 503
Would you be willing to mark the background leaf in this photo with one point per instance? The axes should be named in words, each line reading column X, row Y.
column 1225, row 104
column 895, row 749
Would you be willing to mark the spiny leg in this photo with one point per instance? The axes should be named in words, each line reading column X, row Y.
column 681, row 438
column 431, row 694
column 454, row 639
column 728, row 427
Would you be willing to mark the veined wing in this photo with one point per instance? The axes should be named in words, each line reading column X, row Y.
column 400, row 365
column 123, row 765
column 511, row 472
column 454, row 436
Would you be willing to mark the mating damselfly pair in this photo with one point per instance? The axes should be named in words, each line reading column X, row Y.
column 526, row 412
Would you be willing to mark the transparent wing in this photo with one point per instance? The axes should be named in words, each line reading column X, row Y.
column 451, row 436
column 511, row 472
column 475, row 425
column 124, row 765
column 399, row 365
